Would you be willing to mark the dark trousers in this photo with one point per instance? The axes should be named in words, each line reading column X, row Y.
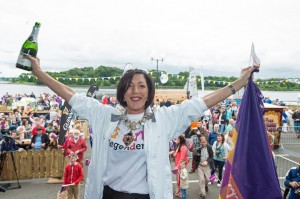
column 194, row 163
column 219, row 165
column 109, row 193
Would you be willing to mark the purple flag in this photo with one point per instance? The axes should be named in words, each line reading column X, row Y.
column 253, row 173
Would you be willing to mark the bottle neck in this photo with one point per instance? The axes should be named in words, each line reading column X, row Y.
column 34, row 34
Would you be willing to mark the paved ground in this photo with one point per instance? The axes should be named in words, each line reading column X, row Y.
column 39, row 189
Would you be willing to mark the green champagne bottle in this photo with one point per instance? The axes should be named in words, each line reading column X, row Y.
column 30, row 47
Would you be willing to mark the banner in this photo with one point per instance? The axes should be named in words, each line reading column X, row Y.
column 251, row 172
column 67, row 115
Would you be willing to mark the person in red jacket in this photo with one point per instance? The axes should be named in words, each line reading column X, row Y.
column 34, row 129
column 77, row 145
column 72, row 176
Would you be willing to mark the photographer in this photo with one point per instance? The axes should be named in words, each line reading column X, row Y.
column 8, row 144
column 292, row 180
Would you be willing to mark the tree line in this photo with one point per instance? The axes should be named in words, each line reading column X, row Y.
column 109, row 77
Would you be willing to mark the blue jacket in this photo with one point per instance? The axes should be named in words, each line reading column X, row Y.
column 9, row 146
column 292, row 175
column 212, row 137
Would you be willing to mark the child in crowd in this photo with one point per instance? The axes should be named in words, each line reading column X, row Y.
column 184, row 179
column 72, row 176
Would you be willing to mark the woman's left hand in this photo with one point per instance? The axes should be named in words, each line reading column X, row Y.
column 246, row 73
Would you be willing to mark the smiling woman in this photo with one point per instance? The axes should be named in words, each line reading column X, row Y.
column 130, row 152
column 139, row 91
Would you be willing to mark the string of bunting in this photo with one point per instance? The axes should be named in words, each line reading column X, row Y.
column 153, row 73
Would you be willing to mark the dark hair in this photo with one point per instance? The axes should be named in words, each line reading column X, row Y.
column 222, row 136
column 182, row 141
column 125, row 82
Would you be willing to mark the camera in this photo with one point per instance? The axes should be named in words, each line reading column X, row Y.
column 297, row 192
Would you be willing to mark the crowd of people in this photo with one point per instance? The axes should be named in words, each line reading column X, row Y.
column 208, row 139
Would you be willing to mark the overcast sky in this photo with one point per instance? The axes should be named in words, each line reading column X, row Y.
column 215, row 35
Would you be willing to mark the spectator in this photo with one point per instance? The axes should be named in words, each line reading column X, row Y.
column 27, row 129
column 73, row 174
column 16, row 118
column 8, row 144
column 220, row 149
column 228, row 139
column 212, row 137
column 222, row 118
column 181, row 154
column 40, row 107
column 4, row 127
column 77, row 145
column 230, row 125
column 292, row 181
column 184, row 179
column 27, row 111
column 204, row 162
column 40, row 140
column 38, row 125
column 296, row 118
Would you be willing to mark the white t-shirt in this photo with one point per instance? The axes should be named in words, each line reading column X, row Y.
column 131, row 177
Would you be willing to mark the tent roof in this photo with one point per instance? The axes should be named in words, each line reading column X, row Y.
column 273, row 106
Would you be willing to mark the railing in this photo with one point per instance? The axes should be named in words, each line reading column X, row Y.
column 33, row 164
column 289, row 139
column 290, row 128
column 283, row 165
column 290, row 135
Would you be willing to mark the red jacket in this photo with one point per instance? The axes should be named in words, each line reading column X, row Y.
column 33, row 132
column 73, row 174
column 181, row 155
column 80, row 145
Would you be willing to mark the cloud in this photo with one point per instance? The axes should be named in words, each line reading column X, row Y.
column 214, row 34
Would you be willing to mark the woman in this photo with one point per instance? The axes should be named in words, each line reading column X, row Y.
column 181, row 155
column 130, row 151
column 27, row 129
column 220, row 149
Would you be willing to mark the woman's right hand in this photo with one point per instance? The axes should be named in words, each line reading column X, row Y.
column 35, row 63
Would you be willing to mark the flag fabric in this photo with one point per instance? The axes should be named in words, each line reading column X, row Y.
column 255, row 61
column 250, row 169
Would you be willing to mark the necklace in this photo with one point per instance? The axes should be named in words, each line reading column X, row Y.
column 133, row 125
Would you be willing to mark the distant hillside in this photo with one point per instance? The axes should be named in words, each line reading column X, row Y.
column 108, row 77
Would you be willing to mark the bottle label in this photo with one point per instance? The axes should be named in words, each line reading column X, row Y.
column 23, row 61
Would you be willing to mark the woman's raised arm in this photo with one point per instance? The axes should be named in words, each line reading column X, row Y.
column 60, row 89
column 223, row 93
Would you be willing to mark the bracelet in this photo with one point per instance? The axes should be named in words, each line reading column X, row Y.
column 232, row 88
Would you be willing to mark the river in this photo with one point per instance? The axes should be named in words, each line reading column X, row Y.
column 287, row 96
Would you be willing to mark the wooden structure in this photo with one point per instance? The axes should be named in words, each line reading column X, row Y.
column 273, row 121
column 172, row 95
column 34, row 164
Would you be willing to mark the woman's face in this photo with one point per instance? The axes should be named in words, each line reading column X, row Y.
column 136, row 94
column 219, row 138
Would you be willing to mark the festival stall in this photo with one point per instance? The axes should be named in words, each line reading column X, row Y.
column 24, row 102
column 273, row 122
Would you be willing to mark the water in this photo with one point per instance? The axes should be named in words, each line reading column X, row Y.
column 287, row 96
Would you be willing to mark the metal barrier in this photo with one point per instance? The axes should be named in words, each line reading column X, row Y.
column 290, row 128
column 283, row 165
column 289, row 138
